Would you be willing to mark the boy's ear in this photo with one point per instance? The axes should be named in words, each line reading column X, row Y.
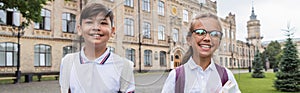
column 113, row 31
column 79, row 31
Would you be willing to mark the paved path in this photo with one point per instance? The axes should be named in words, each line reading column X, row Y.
column 145, row 83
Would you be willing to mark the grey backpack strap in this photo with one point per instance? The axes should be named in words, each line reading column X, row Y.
column 65, row 74
column 180, row 79
column 222, row 73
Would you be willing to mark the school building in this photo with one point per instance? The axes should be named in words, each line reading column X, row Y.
column 150, row 33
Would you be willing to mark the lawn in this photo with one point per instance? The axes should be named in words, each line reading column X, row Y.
column 247, row 84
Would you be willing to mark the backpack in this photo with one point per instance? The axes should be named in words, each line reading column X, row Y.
column 180, row 77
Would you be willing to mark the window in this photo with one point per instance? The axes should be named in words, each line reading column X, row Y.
column 161, row 8
column 45, row 23
column 130, row 55
column 42, row 55
column 68, row 22
column 221, row 61
column 230, row 62
column 184, row 34
column 146, row 30
column 146, row 5
column 185, row 16
column 161, row 32
column 128, row 27
column 128, row 3
column 225, row 49
column 175, row 35
column 162, row 58
column 226, row 62
column 147, row 58
column 68, row 49
column 111, row 49
column 9, row 17
column 8, row 54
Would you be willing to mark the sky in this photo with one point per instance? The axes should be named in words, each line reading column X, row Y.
column 274, row 15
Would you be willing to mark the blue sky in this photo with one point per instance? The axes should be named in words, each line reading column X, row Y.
column 274, row 15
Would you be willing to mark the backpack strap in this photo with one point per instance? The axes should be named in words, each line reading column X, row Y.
column 180, row 79
column 222, row 73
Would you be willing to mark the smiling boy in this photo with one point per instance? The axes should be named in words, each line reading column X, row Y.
column 95, row 69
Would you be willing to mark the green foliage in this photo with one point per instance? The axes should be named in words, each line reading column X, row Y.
column 272, row 53
column 30, row 9
column 288, row 77
column 257, row 66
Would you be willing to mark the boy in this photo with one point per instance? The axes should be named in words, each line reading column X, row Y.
column 95, row 69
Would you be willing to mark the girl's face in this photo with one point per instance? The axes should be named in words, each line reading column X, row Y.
column 206, row 37
column 96, row 30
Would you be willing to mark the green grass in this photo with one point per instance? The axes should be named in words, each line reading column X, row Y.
column 247, row 84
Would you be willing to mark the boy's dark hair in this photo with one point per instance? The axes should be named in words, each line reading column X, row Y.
column 94, row 9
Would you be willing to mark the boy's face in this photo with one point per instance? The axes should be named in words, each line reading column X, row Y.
column 96, row 30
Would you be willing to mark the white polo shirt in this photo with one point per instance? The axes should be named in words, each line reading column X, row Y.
column 199, row 81
column 101, row 75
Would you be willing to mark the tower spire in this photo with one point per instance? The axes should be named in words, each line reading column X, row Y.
column 253, row 16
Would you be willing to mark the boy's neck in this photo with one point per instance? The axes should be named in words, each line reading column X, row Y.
column 93, row 52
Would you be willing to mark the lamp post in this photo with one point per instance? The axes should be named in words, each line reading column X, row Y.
column 248, row 44
column 19, row 33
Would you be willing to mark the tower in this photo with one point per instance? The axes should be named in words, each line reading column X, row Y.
column 253, row 27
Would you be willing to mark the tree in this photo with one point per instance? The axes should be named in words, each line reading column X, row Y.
column 288, row 76
column 30, row 9
column 257, row 66
column 272, row 51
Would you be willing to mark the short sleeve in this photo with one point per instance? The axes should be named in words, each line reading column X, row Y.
column 169, row 86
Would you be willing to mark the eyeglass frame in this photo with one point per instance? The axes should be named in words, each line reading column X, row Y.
column 212, row 36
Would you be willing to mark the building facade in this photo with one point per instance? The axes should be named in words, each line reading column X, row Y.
column 150, row 33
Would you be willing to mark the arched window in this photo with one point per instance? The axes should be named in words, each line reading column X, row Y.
column 148, row 58
column 175, row 35
column 68, row 49
column 162, row 58
column 42, row 55
column 8, row 54
column 130, row 55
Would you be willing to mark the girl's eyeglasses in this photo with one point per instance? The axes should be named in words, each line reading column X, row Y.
column 213, row 34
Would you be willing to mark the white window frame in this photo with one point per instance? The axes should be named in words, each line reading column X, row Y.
column 147, row 30
column 147, row 58
column 185, row 16
column 128, row 3
column 46, row 20
column 161, row 8
column 129, row 27
column 175, row 34
column 146, row 5
column 161, row 32
column 68, row 22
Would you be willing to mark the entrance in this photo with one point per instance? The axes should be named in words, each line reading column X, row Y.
column 177, row 59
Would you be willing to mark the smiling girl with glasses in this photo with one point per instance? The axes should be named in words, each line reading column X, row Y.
column 199, row 73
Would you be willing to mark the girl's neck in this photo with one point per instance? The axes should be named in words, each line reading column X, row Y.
column 92, row 52
column 202, row 62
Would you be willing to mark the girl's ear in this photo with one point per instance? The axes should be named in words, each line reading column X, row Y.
column 113, row 31
column 188, row 39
